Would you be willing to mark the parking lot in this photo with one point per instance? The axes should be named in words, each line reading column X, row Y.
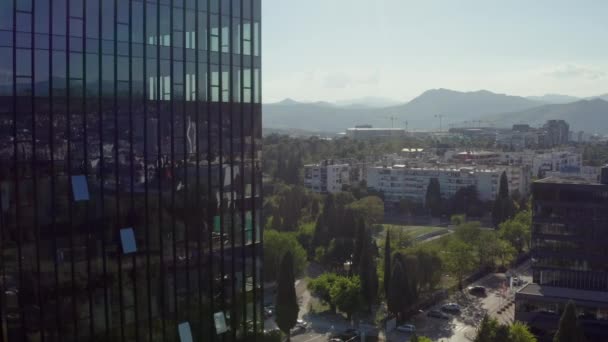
column 461, row 327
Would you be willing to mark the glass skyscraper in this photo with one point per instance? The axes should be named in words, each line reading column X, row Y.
column 130, row 177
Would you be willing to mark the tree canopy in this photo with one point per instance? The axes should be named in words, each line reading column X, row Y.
column 275, row 246
column 433, row 202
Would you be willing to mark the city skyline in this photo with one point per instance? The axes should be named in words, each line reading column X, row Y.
column 340, row 50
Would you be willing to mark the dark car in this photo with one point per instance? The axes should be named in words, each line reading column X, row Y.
column 477, row 290
column 437, row 314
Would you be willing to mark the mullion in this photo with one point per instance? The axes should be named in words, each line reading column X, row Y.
column 145, row 160
column 244, row 168
column 172, row 96
column 35, row 179
column 117, row 218
column 160, row 165
column 131, row 171
column 85, row 110
column 15, row 160
column 210, row 193
column 186, row 164
column 69, row 173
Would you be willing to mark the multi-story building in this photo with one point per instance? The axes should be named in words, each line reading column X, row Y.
column 570, row 255
column 328, row 176
column 403, row 182
column 130, row 170
column 556, row 133
column 556, row 160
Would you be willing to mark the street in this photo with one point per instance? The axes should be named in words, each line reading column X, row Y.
column 459, row 328
column 462, row 327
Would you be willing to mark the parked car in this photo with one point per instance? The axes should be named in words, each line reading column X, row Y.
column 268, row 311
column 301, row 322
column 437, row 314
column 298, row 329
column 450, row 308
column 477, row 290
column 517, row 281
column 407, row 328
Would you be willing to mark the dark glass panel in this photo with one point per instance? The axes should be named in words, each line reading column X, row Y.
column 6, row 71
column 24, row 62
column 59, row 17
column 41, row 17
column 107, row 19
column 41, row 72
column 6, row 15
column 92, row 18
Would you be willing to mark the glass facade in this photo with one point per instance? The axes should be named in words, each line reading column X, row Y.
column 569, row 235
column 130, row 182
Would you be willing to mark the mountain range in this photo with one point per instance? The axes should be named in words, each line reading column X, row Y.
column 442, row 107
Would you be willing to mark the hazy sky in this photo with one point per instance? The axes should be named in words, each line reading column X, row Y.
column 342, row 49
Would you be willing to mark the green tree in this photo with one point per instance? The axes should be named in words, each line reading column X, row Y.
column 368, row 273
column 517, row 231
column 569, row 328
column 503, row 205
column 432, row 200
column 416, row 338
column 286, row 300
column 370, row 209
column 396, row 299
column 387, row 263
column 429, row 268
column 275, row 246
column 460, row 259
column 346, row 294
column 519, row 332
column 321, row 288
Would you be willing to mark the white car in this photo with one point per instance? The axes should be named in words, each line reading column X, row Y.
column 407, row 328
column 450, row 307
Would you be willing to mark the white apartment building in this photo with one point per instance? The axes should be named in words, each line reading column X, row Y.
column 403, row 182
column 327, row 176
column 556, row 161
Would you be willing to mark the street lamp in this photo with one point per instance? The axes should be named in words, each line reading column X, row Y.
column 348, row 264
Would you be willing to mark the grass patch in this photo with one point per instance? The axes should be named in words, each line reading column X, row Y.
column 413, row 231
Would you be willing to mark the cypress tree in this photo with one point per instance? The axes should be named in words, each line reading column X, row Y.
column 433, row 198
column 395, row 299
column 286, row 302
column 387, row 263
column 569, row 329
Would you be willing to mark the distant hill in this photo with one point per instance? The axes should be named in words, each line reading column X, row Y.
column 368, row 102
column 554, row 98
column 587, row 115
column 420, row 113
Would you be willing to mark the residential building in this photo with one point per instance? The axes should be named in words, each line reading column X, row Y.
column 557, row 132
column 570, row 255
column 328, row 176
column 555, row 160
column 590, row 173
column 130, row 170
column 369, row 133
column 399, row 182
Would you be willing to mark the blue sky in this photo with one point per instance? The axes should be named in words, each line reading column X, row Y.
column 342, row 49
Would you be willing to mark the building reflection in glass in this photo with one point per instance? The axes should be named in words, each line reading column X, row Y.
column 120, row 115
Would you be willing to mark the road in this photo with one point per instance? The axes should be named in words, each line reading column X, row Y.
column 462, row 327
column 459, row 328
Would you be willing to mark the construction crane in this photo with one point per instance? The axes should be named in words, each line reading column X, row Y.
column 440, row 121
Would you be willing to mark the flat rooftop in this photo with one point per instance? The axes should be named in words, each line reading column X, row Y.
column 567, row 180
column 564, row 293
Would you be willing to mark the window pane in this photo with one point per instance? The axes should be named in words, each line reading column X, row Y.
column 127, row 238
column 80, row 188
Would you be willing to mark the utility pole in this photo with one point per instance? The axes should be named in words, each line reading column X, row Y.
column 440, row 116
column 392, row 118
